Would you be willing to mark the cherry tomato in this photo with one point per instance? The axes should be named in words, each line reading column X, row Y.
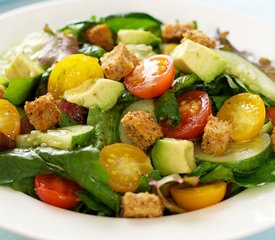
column 9, row 119
column 246, row 113
column 56, row 191
column 193, row 198
column 71, row 71
column 125, row 164
column 151, row 77
column 270, row 113
column 194, row 108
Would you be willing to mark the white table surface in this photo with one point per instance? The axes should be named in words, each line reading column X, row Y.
column 261, row 9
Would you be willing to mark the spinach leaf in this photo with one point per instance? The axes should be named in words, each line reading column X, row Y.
column 105, row 125
column 184, row 83
column 166, row 108
column 42, row 86
column 219, row 173
column 82, row 166
column 94, row 205
column 77, row 28
column 134, row 20
column 92, row 50
column 127, row 97
column 25, row 185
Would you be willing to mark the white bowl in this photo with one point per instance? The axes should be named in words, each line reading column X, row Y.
column 247, row 213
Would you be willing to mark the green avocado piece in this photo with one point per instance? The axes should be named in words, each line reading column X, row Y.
column 22, row 67
column 141, row 50
column 173, row 156
column 102, row 93
column 130, row 36
column 192, row 57
column 249, row 74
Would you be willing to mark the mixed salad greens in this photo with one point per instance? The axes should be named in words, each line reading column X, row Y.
column 127, row 116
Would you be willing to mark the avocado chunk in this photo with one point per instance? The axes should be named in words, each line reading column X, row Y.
column 191, row 57
column 102, row 93
column 63, row 138
column 171, row 156
column 141, row 50
column 22, row 67
column 250, row 75
column 130, row 36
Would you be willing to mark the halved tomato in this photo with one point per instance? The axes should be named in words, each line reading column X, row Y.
column 201, row 196
column 9, row 119
column 125, row 164
column 270, row 113
column 194, row 108
column 246, row 113
column 151, row 77
column 57, row 191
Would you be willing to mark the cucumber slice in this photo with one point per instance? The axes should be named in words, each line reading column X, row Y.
column 241, row 156
column 64, row 138
column 141, row 105
column 250, row 75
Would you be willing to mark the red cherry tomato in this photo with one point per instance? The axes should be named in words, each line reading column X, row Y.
column 151, row 77
column 270, row 113
column 57, row 191
column 194, row 108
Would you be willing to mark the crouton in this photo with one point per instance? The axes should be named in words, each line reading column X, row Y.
column 118, row 63
column 199, row 37
column 273, row 139
column 141, row 205
column 172, row 33
column 43, row 112
column 100, row 35
column 216, row 137
column 141, row 128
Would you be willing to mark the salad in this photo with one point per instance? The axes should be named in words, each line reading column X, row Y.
column 127, row 116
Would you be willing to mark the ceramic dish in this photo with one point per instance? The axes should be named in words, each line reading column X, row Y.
column 245, row 214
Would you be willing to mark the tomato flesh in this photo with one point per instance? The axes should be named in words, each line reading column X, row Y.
column 71, row 71
column 57, row 191
column 125, row 164
column 193, row 198
column 270, row 113
column 9, row 119
column 246, row 113
column 194, row 108
column 151, row 77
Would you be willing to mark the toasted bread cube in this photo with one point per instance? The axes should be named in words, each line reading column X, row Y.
column 100, row 35
column 216, row 137
column 118, row 63
column 141, row 205
column 199, row 37
column 43, row 112
column 172, row 33
column 141, row 128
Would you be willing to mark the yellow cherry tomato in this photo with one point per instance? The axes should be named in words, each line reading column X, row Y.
column 193, row 198
column 9, row 119
column 246, row 113
column 125, row 164
column 71, row 71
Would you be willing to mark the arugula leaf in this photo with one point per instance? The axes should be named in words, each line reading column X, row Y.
column 166, row 108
